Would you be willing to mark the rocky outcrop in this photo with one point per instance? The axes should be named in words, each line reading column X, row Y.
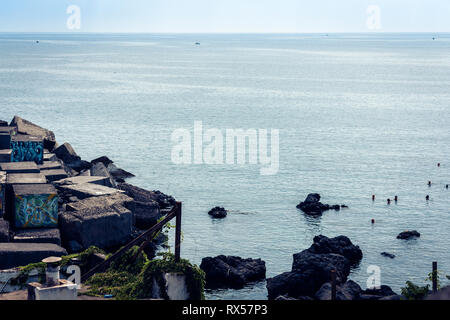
column 312, row 267
column 67, row 154
column 339, row 245
column 350, row 290
column 313, row 206
column 218, row 213
column 138, row 194
column 406, row 235
column 232, row 272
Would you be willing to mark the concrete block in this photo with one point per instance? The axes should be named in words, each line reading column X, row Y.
column 103, row 181
column 66, row 290
column 5, row 154
column 29, row 128
column 101, row 227
column 35, row 206
column 27, row 148
column 25, row 178
column 50, row 165
column 43, row 235
column 19, row 167
column 86, row 190
column 54, row 174
column 99, row 169
column 10, row 130
column 48, row 156
column 20, row 254
column 100, row 202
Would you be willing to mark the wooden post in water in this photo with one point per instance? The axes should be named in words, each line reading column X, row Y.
column 178, row 232
column 333, row 284
column 434, row 277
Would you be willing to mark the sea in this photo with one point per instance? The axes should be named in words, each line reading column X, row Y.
column 357, row 114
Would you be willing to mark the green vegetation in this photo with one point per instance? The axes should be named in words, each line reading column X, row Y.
column 416, row 292
column 133, row 277
column 22, row 279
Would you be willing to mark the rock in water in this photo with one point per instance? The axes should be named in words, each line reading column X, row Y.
column 338, row 245
column 232, row 272
column 312, row 267
column 406, row 235
column 388, row 255
column 218, row 212
column 313, row 206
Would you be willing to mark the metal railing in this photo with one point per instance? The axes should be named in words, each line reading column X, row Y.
column 143, row 240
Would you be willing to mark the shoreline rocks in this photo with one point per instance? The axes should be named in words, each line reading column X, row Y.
column 406, row 235
column 313, row 206
column 218, row 212
column 311, row 268
column 231, row 271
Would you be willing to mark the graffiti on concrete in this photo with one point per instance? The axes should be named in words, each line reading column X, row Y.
column 33, row 211
column 27, row 151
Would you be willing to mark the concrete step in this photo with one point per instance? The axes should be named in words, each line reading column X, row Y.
column 20, row 254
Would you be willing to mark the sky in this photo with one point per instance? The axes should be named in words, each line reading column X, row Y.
column 225, row 16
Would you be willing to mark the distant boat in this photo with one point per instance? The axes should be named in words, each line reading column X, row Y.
column 197, row 43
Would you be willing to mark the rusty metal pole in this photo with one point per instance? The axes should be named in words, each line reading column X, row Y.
column 434, row 277
column 333, row 284
column 178, row 232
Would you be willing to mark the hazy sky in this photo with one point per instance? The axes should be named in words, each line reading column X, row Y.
column 226, row 16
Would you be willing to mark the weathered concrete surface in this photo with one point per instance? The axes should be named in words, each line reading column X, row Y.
column 48, row 156
column 103, row 181
column 26, row 178
column 99, row 169
column 66, row 290
column 50, row 165
column 29, row 128
column 54, row 174
column 143, row 195
column 101, row 227
column 86, row 190
column 21, row 254
column 100, row 202
column 43, row 235
column 19, row 167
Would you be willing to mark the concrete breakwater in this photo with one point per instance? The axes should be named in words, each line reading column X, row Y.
column 53, row 202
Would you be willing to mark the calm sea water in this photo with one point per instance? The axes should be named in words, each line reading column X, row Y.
column 358, row 115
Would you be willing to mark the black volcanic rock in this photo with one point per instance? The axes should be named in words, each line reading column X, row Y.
column 312, row 267
column 338, row 245
column 350, row 290
column 218, row 212
column 406, row 235
column 313, row 206
column 231, row 271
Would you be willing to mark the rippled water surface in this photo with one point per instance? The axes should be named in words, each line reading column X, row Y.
column 358, row 115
